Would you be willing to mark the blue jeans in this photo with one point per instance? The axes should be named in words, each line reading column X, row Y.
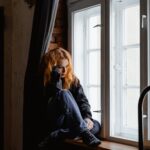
column 64, row 115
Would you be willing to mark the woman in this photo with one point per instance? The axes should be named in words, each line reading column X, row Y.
column 68, row 109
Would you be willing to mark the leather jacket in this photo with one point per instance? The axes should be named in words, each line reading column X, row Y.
column 78, row 94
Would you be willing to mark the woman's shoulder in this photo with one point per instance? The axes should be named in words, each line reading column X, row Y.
column 75, row 84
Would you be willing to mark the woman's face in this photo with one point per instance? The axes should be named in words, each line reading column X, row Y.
column 62, row 66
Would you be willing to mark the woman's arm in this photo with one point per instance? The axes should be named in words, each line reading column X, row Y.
column 54, row 85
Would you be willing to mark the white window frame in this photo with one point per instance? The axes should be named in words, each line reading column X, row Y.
column 73, row 8
column 120, row 45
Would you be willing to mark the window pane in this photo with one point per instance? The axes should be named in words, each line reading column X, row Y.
column 94, row 36
column 78, row 44
column 94, row 99
column 131, row 96
column 132, row 67
column 132, row 25
column 94, row 68
column 86, row 53
column 124, row 68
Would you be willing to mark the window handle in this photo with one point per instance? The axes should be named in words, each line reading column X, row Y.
column 98, row 25
column 97, row 111
column 144, row 21
column 144, row 116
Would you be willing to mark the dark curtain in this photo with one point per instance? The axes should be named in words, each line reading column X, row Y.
column 1, row 78
column 34, row 125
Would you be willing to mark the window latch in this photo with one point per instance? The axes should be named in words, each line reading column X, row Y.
column 144, row 21
column 98, row 25
column 97, row 111
column 144, row 116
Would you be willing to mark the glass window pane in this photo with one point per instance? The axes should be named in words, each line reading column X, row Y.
column 132, row 66
column 94, row 32
column 94, row 99
column 78, row 52
column 132, row 25
column 130, row 106
column 94, row 68
column 124, row 68
column 86, row 53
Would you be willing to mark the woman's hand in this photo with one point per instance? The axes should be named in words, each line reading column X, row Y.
column 55, row 74
column 89, row 122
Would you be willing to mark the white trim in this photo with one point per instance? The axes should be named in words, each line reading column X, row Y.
column 93, row 50
column 85, row 54
column 92, row 85
column 131, row 46
column 130, row 86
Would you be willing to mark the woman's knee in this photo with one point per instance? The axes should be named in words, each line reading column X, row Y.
column 64, row 99
column 65, row 95
column 96, row 128
column 63, row 92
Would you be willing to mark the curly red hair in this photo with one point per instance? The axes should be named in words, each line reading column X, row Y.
column 50, row 59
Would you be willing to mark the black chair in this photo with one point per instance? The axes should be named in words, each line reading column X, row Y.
column 140, row 116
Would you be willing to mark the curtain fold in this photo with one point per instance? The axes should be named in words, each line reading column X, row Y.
column 33, row 113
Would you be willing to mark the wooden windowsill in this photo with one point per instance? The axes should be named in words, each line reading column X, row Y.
column 105, row 145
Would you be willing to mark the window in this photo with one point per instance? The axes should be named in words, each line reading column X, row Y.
column 108, row 55
column 86, row 53
column 124, row 68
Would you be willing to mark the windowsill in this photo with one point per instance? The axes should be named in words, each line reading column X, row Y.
column 105, row 145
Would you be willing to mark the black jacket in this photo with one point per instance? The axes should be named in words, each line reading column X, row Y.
column 81, row 99
column 78, row 94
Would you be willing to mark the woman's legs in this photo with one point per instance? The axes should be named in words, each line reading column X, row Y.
column 73, row 118
column 96, row 128
column 63, row 112
column 66, row 114
column 74, row 115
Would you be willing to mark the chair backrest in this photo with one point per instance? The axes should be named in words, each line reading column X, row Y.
column 140, row 116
